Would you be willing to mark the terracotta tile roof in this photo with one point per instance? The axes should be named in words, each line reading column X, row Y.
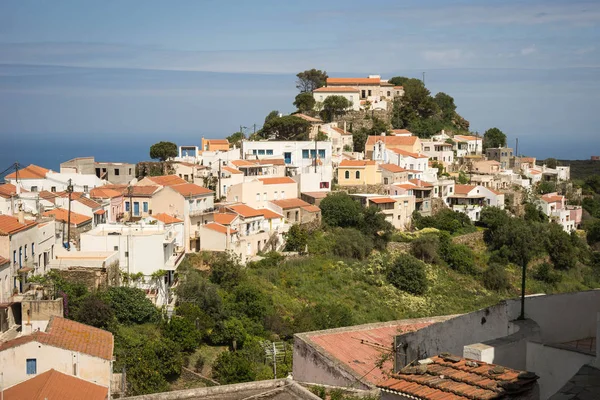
column 341, row 131
column 406, row 186
column 104, row 193
column 337, row 89
column 401, row 131
column 3, row 261
column 286, row 204
column 55, row 385
column 118, row 187
column 272, row 161
column 244, row 163
column 357, row 344
column 231, row 170
column 353, row 81
column 381, row 200
column 316, row 195
column 466, row 138
column 356, row 163
column 167, row 219
column 457, row 378
column 218, row 141
column 99, row 212
column 392, row 168
column 277, row 180
column 48, row 196
column 191, row 189
column 141, row 191
column 463, row 189
column 8, row 190
column 166, row 180
column 60, row 214
column 10, row 225
column 398, row 87
column 409, row 154
column 189, row 164
column 308, row 118
column 311, row 208
column 268, row 214
column 420, row 183
column 86, row 201
column 530, row 160
column 29, row 172
column 552, row 198
column 224, row 218
column 70, row 335
column 245, row 211
column 218, row 228
column 535, row 172
column 393, row 140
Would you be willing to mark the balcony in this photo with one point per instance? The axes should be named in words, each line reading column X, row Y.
column 173, row 262
column 201, row 211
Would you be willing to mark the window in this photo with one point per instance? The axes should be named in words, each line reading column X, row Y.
column 283, row 194
column 136, row 208
column 305, row 154
column 126, row 206
column 31, row 366
column 53, row 189
column 86, row 188
column 117, row 172
column 34, row 188
column 257, row 196
column 116, row 248
column 389, row 93
column 363, row 94
column 14, row 256
column 324, row 185
column 357, row 174
column 145, row 206
column 347, row 174
column 265, row 196
column 369, row 92
column 126, row 254
column 261, row 152
column 129, row 171
column 275, row 195
column 385, row 181
column 322, row 153
column 269, row 152
column 254, row 151
column 25, row 252
column 32, row 249
column 297, row 216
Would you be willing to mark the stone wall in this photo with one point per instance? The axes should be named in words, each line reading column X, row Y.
column 92, row 278
column 470, row 239
column 356, row 120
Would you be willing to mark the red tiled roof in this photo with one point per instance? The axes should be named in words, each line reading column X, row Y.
column 191, row 189
column 456, row 378
column 8, row 190
column 341, row 131
column 48, row 196
column 463, row 189
column 218, row 228
column 224, row 218
column 3, row 260
column 232, row 170
column 381, row 200
column 60, row 214
column 86, row 201
column 10, row 225
column 336, row 89
column 307, row 118
column 268, row 214
column 420, row 183
column 277, row 180
column 352, row 344
column 244, row 163
column 218, row 141
column 392, row 168
column 166, row 180
column 166, row 219
column 311, row 208
column 104, row 193
column 99, row 212
column 316, row 195
column 465, row 138
column 245, row 211
column 353, row 81
column 290, row 203
column 393, row 140
column 401, row 131
column 272, row 161
column 141, row 191
column 70, row 335
column 356, row 163
column 409, row 154
column 29, row 172
column 552, row 198
column 55, row 385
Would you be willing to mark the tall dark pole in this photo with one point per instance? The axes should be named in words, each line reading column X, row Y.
column 69, row 191
column 423, row 78
column 130, row 193
column 523, row 277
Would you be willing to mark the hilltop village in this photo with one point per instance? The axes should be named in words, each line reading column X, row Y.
column 366, row 246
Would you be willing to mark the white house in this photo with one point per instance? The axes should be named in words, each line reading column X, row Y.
column 258, row 192
column 144, row 250
column 341, row 139
column 466, row 145
column 470, row 199
column 35, row 179
column 352, row 94
column 66, row 346
column 556, row 208
column 438, row 150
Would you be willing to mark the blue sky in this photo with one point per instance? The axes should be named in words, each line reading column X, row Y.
column 142, row 69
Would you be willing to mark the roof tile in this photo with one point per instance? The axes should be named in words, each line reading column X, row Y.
column 60, row 214
column 55, row 385
column 191, row 189
column 10, row 225
column 30, row 172
column 277, row 180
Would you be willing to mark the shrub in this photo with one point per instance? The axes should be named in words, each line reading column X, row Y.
column 460, row 258
column 545, row 273
column 339, row 209
column 130, row 305
column 496, row 278
column 351, row 243
column 408, row 274
column 319, row 391
column 225, row 270
column 426, row 248
column 95, row 312
column 182, row 332
column 233, row 367
column 199, row 364
column 296, row 239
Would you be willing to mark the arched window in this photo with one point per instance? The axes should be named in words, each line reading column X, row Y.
column 357, row 174
column 347, row 175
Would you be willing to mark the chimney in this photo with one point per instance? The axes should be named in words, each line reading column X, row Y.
column 344, row 126
column 21, row 216
column 18, row 188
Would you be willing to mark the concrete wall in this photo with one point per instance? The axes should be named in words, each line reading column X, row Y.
column 36, row 314
column 554, row 366
column 13, row 363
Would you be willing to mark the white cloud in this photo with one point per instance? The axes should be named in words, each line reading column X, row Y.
column 528, row 50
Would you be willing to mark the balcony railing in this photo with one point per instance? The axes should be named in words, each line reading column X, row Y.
column 201, row 211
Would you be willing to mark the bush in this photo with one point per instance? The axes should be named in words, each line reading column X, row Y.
column 182, row 332
column 426, row 248
column 351, row 243
column 559, row 247
column 233, row 367
column 225, row 270
column 460, row 258
column 130, row 305
column 496, row 278
column 446, row 220
column 296, row 239
column 199, row 364
column 95, row 312
column 408, row 274
column 323, row 316
column 339, row 209
column 545, row 273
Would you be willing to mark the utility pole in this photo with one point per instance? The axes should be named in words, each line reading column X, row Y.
column 69, row 191
column 316, row 152
column 219, row 181
column 423, row 78
column 254, row 132
column 130, row 193
column 517, row 149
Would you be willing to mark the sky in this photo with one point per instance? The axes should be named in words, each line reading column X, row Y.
column 122, row 74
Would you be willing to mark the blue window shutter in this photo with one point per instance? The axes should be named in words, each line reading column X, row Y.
column 31, row 366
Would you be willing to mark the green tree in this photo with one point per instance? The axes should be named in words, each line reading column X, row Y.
column 272, row 115
column 163, row 151
column 560, row 248
column 296, row 238
column 321, row 137
column 130, row 305
column 351, row 243
column 339, row 209
column 359, row 139
column 496, row 278
column 233, row 367
column 334, row 106
column 305, row 102
column 373, row 224
column 310, row 80
column 182, row 332
column 426, row 248
column 195, row 288
column 95, row 312
column 534, row 214
column 249, row 301
column 230, row 332
column 288, row 127
column 494, row 137
column 459, row 257
column 446, row 104
column 235, row 139
column 592, row 229
column 416, row 103
column 225, row 270
column 546, row 187
column 425, row 128
column 201, row 320
column 463, row 178
column 403, row 80
column 408, row 274
column 551, row 162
